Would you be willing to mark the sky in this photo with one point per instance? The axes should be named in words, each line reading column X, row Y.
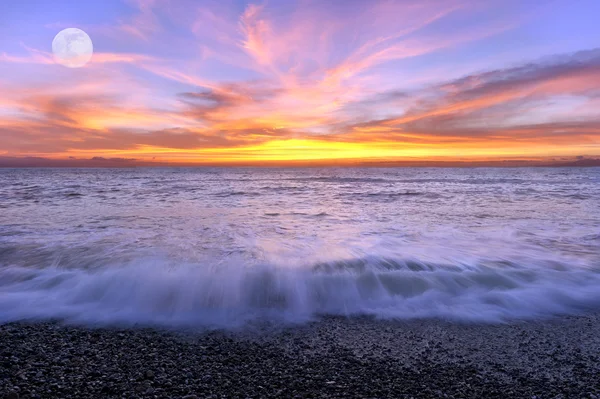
column 278, row 81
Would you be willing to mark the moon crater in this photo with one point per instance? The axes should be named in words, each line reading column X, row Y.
column 72, row 48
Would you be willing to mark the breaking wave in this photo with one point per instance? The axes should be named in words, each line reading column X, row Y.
column 156, row 292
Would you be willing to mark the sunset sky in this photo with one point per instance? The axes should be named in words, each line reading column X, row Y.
column 186, row 81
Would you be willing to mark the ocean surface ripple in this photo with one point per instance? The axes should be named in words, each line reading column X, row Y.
column 223, row 247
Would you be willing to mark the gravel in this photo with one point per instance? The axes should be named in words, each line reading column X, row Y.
column 331, row 358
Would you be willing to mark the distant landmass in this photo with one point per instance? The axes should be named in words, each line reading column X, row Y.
column 581, row 163
column 101, row 162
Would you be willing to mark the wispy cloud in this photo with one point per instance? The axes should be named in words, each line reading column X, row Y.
column 40, row 57
column 144, row 23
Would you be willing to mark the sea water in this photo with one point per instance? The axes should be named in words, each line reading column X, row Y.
column 227, row 246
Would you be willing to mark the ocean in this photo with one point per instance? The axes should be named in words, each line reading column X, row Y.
column 220, row 247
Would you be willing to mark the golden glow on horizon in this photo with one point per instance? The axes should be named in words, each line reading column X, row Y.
column 292, row 150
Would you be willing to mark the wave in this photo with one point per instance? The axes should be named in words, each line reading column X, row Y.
column 225, row 194
column 155, row 292
column 328, row 179
column 393, row 194
column 390, row 196
column 317, row 215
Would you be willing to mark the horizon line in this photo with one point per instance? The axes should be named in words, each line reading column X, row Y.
column 100, row 162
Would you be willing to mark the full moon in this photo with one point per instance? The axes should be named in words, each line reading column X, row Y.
column 72, row 48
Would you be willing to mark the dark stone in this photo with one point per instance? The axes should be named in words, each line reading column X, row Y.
column 335, row 358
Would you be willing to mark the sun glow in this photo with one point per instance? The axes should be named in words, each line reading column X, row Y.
column 307, row 152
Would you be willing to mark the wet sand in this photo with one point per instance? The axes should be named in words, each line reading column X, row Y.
column 331, row 358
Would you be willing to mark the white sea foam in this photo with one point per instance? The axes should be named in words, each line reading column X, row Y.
column 221, row 247
column 150, row 293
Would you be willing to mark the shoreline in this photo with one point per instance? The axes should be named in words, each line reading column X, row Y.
column 334, row 357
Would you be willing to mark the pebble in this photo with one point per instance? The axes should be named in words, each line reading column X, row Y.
column 348, row 358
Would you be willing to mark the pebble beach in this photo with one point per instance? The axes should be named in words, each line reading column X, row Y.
column 330, row 358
